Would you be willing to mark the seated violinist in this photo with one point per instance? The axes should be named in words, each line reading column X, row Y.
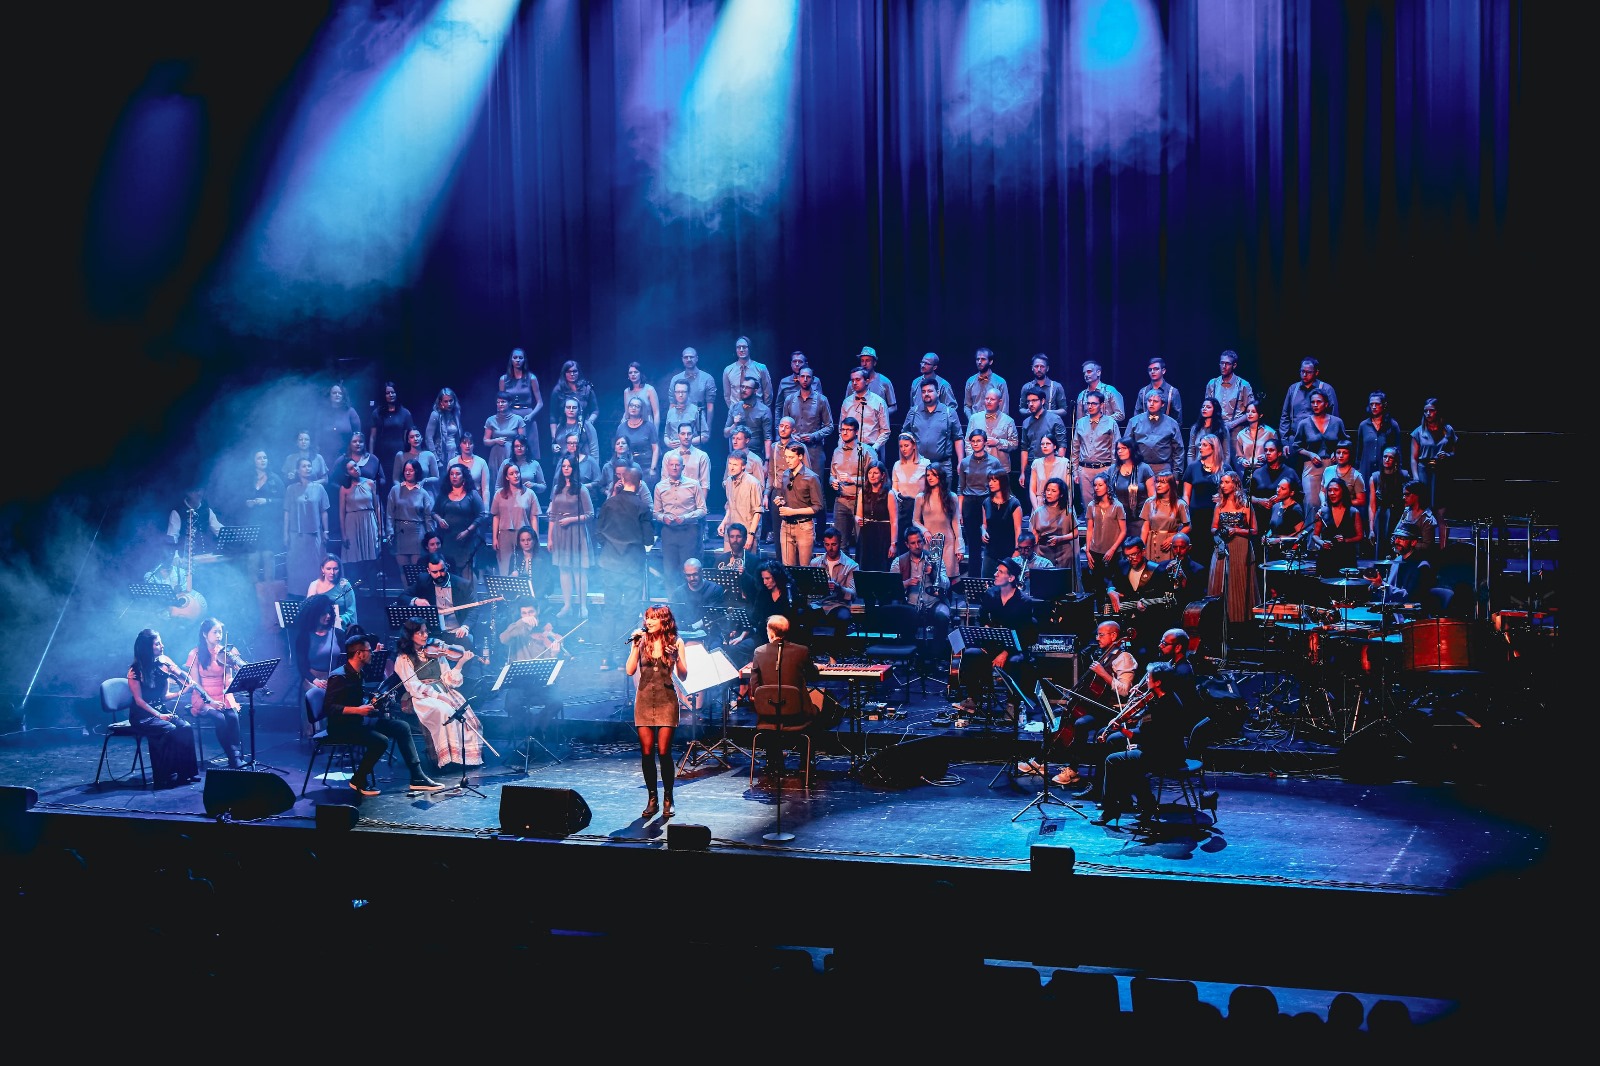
column 354, row 718
column 525, row 638
column 1096, row 698
column 1154, row 735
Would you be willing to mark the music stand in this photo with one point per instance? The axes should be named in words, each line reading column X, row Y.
column 238, row 540
column 537, row 673
column 377, row 667
column 991, row 639
column 411, row 572
column 288, row 611
column 972, row 590
column 726, row 580
column 809, row 582
column 401, row 613
column 878, row 587
column 732, row 619
column 1049, row 585
column 159, row 595
column 512, row 588
column 707, row 669
column 1045, row 796
column 247, row 679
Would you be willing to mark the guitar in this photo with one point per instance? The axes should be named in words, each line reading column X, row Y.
column 190, row 604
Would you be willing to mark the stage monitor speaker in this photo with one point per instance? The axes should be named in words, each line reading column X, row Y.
column 15, row 799
column 528, row 811
column 245, row 795
column 688, row 837
column 1052, row 860
column 337, row 817
column 911, row 762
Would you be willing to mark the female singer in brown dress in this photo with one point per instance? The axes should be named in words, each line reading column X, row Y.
column 657, row 654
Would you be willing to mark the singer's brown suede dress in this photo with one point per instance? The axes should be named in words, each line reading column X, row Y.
column 656, row 703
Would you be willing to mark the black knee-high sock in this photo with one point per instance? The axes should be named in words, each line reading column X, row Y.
column 647, row 763
column 667, row 772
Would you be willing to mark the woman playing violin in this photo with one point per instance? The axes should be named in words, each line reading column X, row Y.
column 171, row 744
column 431, row 673
column 211, row 664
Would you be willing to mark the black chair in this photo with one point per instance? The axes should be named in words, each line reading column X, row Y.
column 1190, row 777
column 116, row 699
column 322, row 744
column 784, row 732
column 896, row 625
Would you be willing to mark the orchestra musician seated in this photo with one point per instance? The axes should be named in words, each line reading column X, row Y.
column 1003, row 606
column 354, row 718
column 788, row 666
column 927, row 585
column 1095, row 699
column 437, row 587
column 531, row 706
column 1155, row 729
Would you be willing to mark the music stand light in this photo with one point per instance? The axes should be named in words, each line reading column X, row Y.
column 247, row 679
column 540, row 673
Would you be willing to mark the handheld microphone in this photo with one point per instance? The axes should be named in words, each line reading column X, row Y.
column 633, row 638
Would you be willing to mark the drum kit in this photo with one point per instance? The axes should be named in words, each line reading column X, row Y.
column 1348, row 652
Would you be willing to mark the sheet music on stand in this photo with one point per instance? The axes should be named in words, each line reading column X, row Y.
column 237, row 540
column 401, row 613
column 707, row 669
column 288, row 611
column 512, row 588
column 540, row 671
column 810, row 582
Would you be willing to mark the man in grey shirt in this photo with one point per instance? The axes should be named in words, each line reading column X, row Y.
column 798, row 498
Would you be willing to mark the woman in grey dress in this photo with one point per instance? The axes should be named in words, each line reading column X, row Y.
column 570, row 514
column 409, row 514
column 358, row 520
column 656, row 655
column 305, row 527
column 513, row 508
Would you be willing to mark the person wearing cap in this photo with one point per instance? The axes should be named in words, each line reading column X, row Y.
column 1408, row 577
column 877, row 384
column 1003, row 606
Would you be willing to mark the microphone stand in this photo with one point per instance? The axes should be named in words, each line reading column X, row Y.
column 778, row 836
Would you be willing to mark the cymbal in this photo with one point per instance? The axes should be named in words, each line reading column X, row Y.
column 1290, row 565
column 1344, row 582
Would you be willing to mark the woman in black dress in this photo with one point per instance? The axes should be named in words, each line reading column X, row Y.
column 172, row 759
column 878, row 519
column 1339, row 530
column 1002, row 522
column 657, row 654
column 459, row 513
column 386, row 437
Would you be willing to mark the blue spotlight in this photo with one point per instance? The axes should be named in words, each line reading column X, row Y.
column 349, row 215
column 730, row 138
column 999, row 77
column 1112, row 32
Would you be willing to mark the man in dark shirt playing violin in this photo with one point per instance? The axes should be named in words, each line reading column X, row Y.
column 1156, row 729
column 352, row 718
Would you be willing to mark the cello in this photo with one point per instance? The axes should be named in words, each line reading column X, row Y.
column 1092, row 689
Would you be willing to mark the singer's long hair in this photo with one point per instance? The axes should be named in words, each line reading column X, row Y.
column 202, row 650
column 144, row 654
column 669, row 629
